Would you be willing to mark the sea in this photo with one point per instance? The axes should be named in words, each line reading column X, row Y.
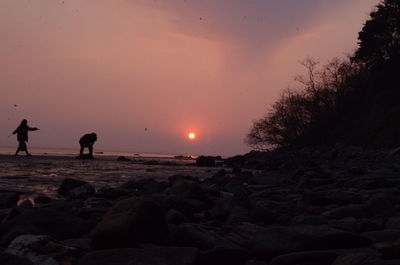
column 43, row 173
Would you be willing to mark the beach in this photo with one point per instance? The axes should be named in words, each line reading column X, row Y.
column 41, row 175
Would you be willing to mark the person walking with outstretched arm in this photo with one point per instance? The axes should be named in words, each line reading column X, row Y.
column 22, row 136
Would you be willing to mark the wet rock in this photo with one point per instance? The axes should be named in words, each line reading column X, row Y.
column 358, row 259
column 8, row 199
column 388, row 249
column 8, row 259
column 156, row 255
column 41, row 250
column 73, row 188
column 123, row 158
column 129, row 223
column 306, row 258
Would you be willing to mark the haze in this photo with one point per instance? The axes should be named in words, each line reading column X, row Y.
column 142, row 74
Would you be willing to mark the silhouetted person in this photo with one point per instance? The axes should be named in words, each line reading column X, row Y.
column 22, row 136
column 87, row 141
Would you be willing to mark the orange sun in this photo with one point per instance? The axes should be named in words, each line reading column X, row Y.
column 191, row 136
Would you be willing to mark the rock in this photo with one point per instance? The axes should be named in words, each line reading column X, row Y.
column 309, row 220
column 197, row 236
column 206, row 161
column 8, row 199
column 129, row 223
column 278, row 240
column 223, row 255
column 381, row 205
column 388, row 249
column 59, row 223
column 358, row 259
column 41, row 250
column 175, row 217
column 73, row 188
column 42, row 200
column 8, row 259
column 123, row 158
column 150, row 256
column 256, row 262
column 393, row 223
column 382, row 235
column 355, row 210
column 308, row 257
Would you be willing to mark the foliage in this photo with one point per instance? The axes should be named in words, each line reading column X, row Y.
column 342, row 97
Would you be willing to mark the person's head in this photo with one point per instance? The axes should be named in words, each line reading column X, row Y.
column 24, row 122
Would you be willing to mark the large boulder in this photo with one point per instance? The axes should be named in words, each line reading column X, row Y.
column 206, row 161
column 59, row 223
column 74, row 188
column 129, row 223
column 130, row 256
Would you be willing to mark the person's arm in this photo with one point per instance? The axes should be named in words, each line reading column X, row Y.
column 32, row 129
column 16, row 130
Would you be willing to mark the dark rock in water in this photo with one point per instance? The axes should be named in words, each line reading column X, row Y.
column 309, row 220
column 42, row 200
column 8, row 199
column 58, row 223
column 8, row 259
column 197, row 236
column 74, row 188
column 206, row 161
column 129, row 223
column 42, row 250
column 278, row 240
column 144, row 186
column 359, row 259
column 23, row 206
column 123, row 158
column 308, row 257
column 131, row 256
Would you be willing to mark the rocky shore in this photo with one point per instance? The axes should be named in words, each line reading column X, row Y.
column 304, row 207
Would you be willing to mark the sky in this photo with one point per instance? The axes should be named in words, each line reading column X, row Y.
column 143, row 74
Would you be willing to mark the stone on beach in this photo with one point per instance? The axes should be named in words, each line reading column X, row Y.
column 131, row 222
column 74, row 188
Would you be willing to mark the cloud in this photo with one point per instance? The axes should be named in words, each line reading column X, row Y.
column 249, row 23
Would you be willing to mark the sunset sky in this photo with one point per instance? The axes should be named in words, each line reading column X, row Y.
column 143, row 74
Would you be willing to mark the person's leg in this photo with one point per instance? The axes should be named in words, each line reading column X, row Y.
column 90, row 150
column 81, row 151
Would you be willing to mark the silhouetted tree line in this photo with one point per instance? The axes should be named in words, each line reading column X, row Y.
column 351, row 101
